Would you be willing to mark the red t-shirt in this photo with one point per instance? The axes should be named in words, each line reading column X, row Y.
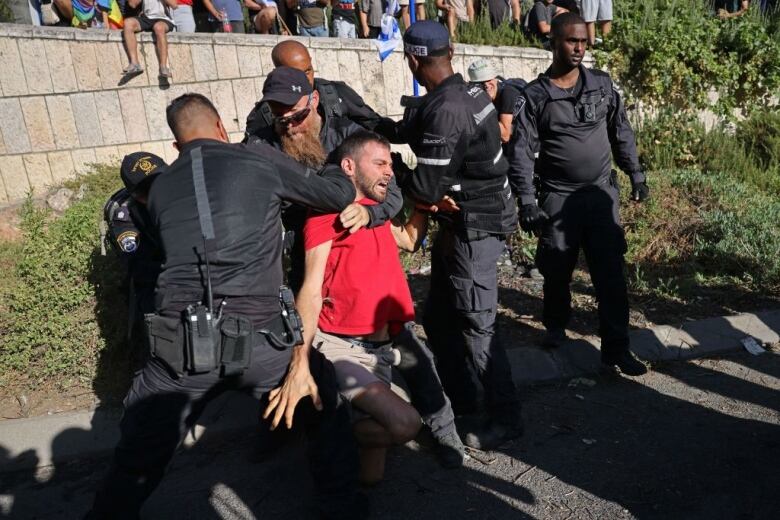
column 365, row 287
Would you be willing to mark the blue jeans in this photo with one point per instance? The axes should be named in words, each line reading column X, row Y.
column 319, row 30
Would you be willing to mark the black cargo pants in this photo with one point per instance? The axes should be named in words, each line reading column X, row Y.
column 160, row 407
column 587, row 219
column 460, row 322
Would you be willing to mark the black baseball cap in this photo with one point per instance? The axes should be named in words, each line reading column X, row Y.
column 426, row 38
column 286, row 85
column 139, row 167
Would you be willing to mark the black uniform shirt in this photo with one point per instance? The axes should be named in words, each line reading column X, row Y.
column 245, row 187
column 507, row 99
column 573, row 134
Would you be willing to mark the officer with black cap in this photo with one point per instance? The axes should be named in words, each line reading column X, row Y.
column 336, row 98
column 129, row 229
column 453, row 130
column 572, row 117
column 222, row 319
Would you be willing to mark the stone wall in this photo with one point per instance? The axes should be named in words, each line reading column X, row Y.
column 63, row 105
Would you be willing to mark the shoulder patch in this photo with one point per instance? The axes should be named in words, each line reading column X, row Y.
column 128, row 241
column 519, row 104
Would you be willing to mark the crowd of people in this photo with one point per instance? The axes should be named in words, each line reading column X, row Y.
column 273, row 265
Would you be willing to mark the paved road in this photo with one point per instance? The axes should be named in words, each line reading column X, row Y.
column 690, row 440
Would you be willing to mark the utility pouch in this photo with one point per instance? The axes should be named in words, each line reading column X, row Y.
column 236, row 331
column 166, row 340
column 203, row 339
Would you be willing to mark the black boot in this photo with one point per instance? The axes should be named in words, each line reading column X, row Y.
column 492, row 435
column 626, row 362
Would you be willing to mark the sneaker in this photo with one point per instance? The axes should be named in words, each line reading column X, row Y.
column 450, row 451
column 491, row 436
column 133, row 68
column 165, row 73
column 554, row 338
column 626, row 362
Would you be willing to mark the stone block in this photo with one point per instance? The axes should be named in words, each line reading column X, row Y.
column 460, row 65
column 147, row 55
column 10, row 60
column 63, row 77
column 373, row 79
column 474, row 50
column 236, row 137
column 36, row 118
column 266, row 62
column 2, row 145
column 38, row 172
column 3, row 194
column 532, row 365
column 223, row 99
column 36, row 68
column 54, row 33
column 180, row 58
column 349, row 68
column 86, row 116
column 85, row 65
column 61, row 164
column 506, row 51
column 155, row 147
column 249, row 64
column 326, row 63
column 109, row 62
column 133, row 115
column 259, row 86
column 246, row 97
column 747, row 324
column 127, row 149
column 14, row 177
column 63, row 123
column 356, row 44
column 83, row 160
column 325, row 43
column 518, row 68
column 170, row 153
column 110, row 117
column 13, row 127
column 393, row 73
column 155, row 103
column 227, row 61
column 107, row 155
column 203, row 62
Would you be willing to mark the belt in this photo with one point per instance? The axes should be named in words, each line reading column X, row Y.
column 365, row 343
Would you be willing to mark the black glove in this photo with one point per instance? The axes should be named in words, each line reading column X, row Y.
column 532, row 217
column 401, row 171
column 639, row 191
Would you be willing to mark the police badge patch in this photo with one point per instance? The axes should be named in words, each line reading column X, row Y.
column 519, row 104
column 128, row 241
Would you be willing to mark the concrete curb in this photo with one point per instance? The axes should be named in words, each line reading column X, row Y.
column 41, row 441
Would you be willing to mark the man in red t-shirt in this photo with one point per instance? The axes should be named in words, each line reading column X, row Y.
column 355, row 299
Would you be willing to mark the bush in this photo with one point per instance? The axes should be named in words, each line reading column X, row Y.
column 67, row 301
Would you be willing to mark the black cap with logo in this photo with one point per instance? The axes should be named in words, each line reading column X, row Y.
column 426, row 38
column 286, row 86
column 140, row 167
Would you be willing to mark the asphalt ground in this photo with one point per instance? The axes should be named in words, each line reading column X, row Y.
column 697, row 439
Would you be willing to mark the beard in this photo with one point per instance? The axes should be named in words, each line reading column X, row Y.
column 305, row 147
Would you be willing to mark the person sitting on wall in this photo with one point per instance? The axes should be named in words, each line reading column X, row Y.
column 155, row 17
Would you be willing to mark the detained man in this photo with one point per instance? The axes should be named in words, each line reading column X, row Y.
column 357, row 310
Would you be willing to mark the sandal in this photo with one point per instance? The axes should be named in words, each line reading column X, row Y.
column 165, row 73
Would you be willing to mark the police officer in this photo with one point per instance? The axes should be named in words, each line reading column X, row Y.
column 216, row 211
column 129, row 229
column 572, row 117
column 336, row 97
column 453, row 131
column 297, row 119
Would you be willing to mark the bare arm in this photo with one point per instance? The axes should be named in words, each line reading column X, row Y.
column 363, row 22
column 505, row 124
column 252, row 5
column 133, row 3
column 470, row 10
column 173, row 4
column 299, row 383
column 410, row 235
column 517, row 11
column 211, row 9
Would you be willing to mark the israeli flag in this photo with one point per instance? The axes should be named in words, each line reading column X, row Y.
column 390, row 35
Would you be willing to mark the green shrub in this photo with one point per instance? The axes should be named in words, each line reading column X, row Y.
column 67, row 301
